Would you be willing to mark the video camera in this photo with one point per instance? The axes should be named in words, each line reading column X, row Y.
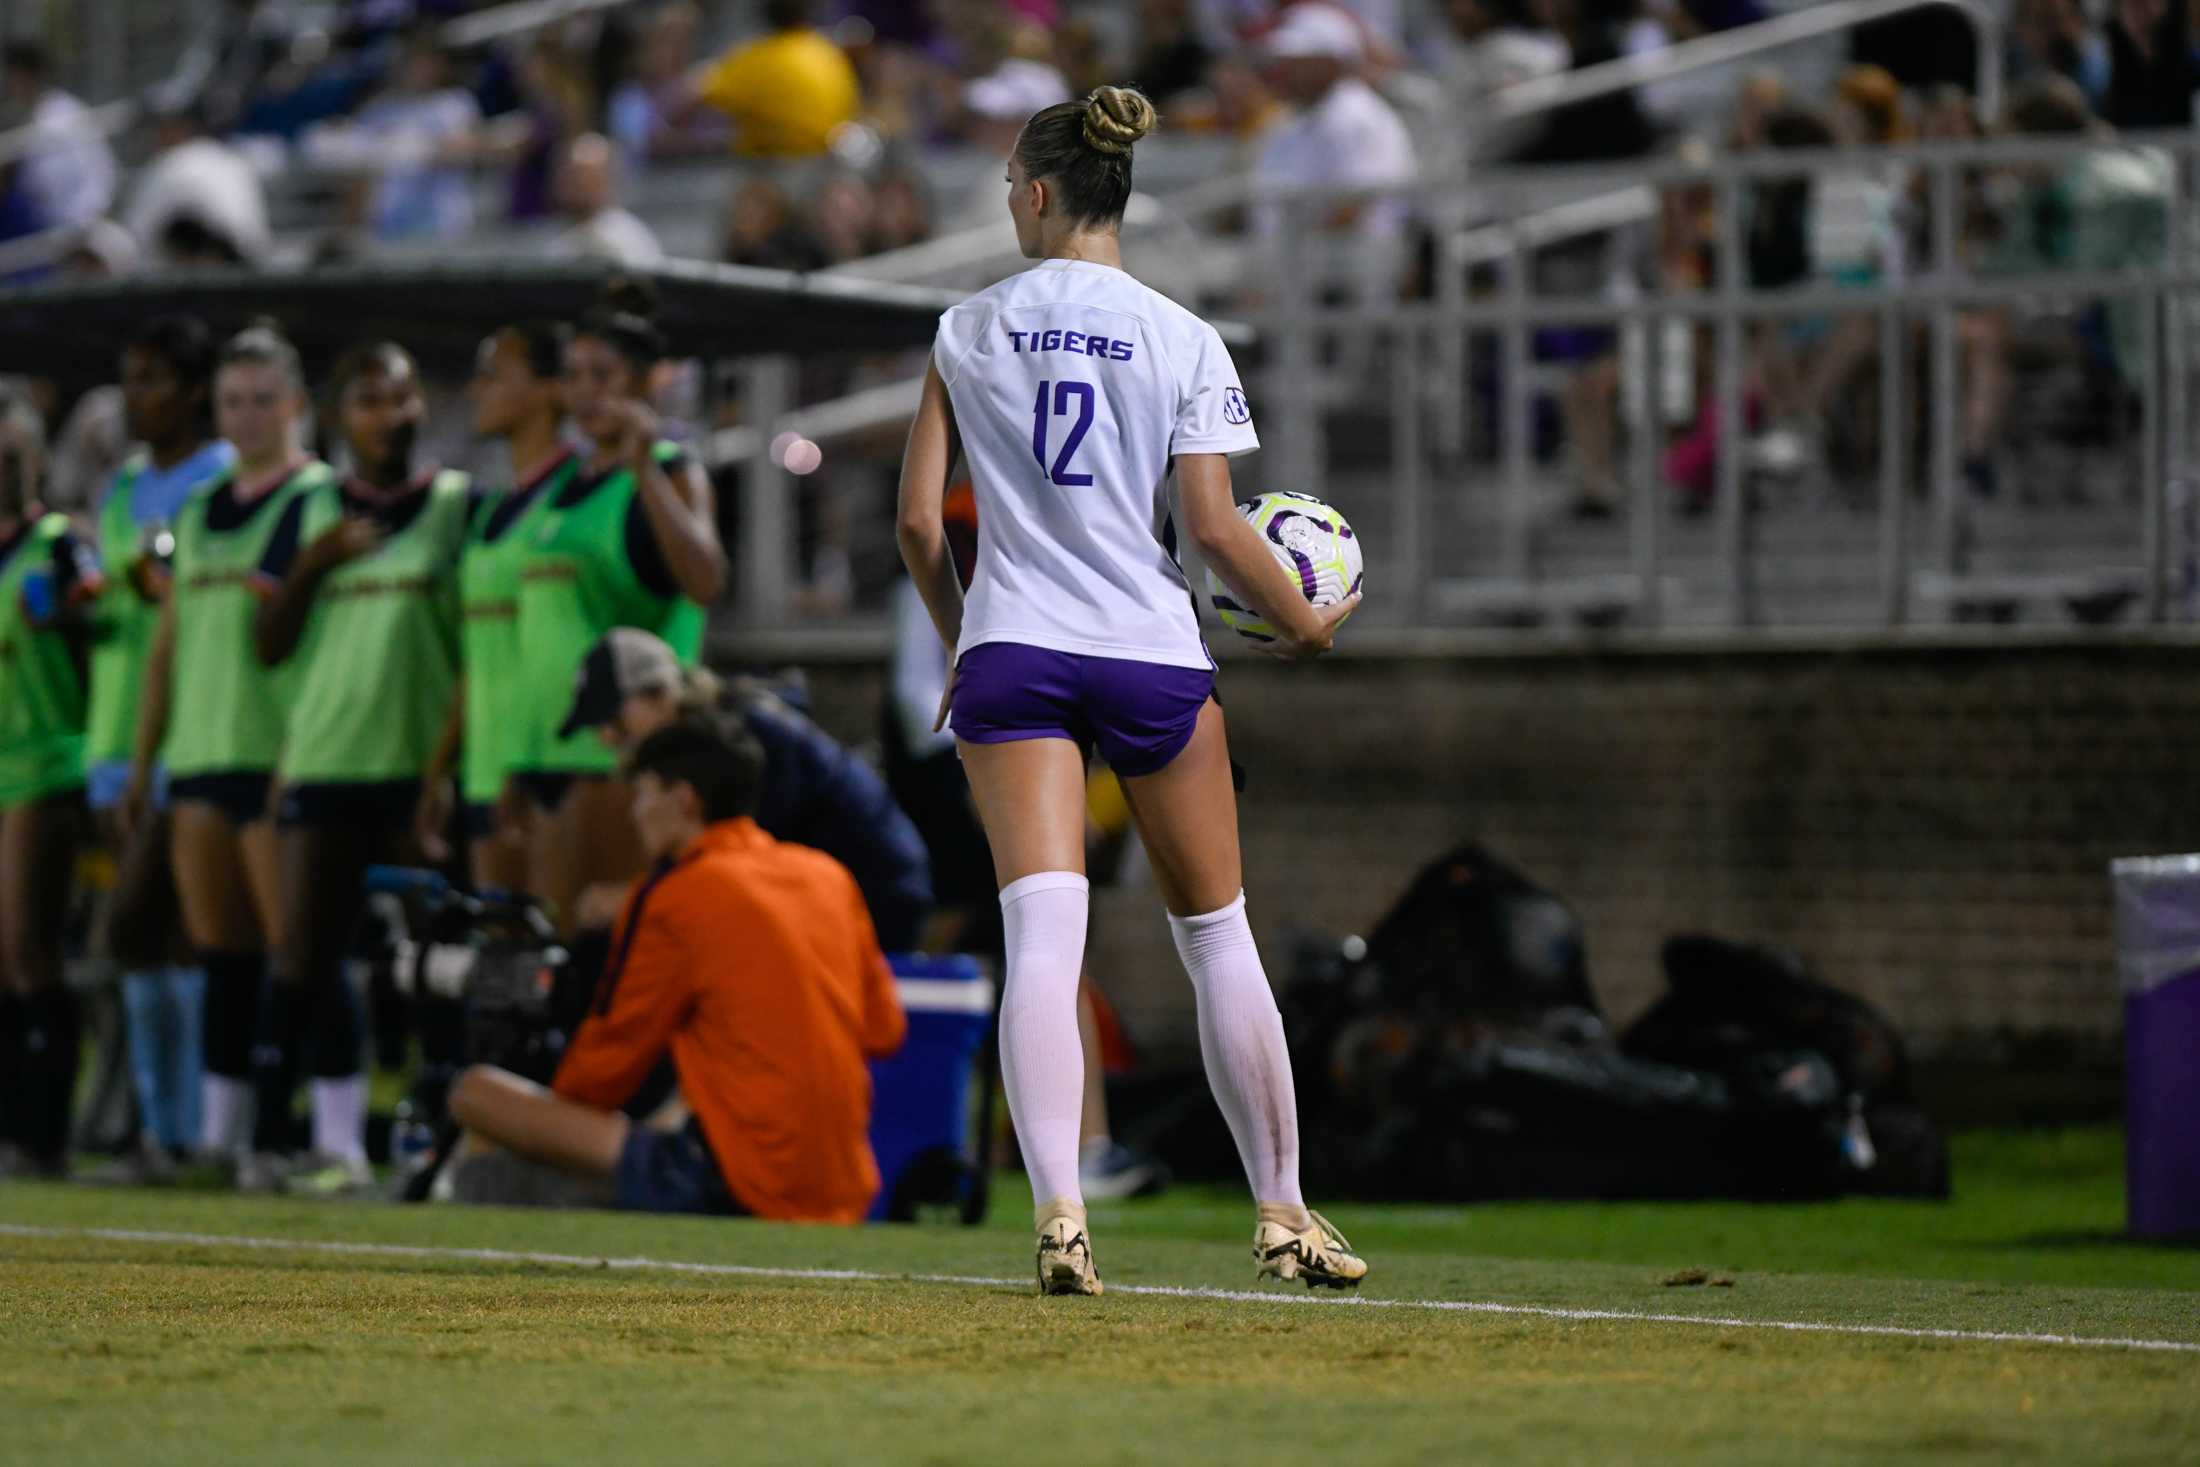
column 486, row 981
column 494, row 955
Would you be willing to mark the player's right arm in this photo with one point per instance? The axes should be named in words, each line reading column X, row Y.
column 294, row 574
column 920, row 524
column 1236, row 553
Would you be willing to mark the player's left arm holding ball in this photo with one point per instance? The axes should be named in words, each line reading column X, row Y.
column 1236, row 553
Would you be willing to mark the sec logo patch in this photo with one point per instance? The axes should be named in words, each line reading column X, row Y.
column 1234, row 409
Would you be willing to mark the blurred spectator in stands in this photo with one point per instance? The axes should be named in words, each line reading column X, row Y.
column 844, row 218
column 556, row 106
column 2054, row 38
column 1616, row 125
column 1495, row 47
column 230, row 63
column 1948, row 114
column 763, row 229
column 1344, row 136
column 66, row 172
column 1756, row 98
column 104, row 250
column 1008, row 74
column 648, row 116
column 2101, row 211
column 787, row 92
column 407, row 140
column 196, row 176
column 1081, row 56
column 1853, row 237
column 1172, row 59
column 901, row 209
column 2151, row 73
column 601, row 229
column 1246, row 108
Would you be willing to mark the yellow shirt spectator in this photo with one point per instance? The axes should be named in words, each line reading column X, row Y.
column 785, row 93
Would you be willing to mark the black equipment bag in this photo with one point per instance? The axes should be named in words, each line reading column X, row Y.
column 1473, row 936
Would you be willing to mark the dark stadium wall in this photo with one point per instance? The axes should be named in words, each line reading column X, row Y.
column 1928, row 827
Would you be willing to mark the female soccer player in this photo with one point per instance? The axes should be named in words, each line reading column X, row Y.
column 1071, row 390
column 214, row 714
column 630, row 540
column 518, row 396
column 362, row 604
column 46, row 576
column 168, row 399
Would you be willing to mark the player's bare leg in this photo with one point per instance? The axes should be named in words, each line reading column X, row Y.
column 1030, row 795
column 1187, row 816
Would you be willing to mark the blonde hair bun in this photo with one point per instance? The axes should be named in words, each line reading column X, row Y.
column 1116, row 118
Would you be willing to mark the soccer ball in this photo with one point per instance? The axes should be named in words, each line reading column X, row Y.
column 1312, row 542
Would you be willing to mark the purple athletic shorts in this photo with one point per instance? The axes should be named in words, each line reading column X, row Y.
column 1139, row 715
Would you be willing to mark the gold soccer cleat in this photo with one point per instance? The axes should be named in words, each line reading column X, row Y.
column 1065, row 1253
column 1284, row 1248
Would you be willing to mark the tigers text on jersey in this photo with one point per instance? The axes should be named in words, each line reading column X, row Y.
column 1073, row 387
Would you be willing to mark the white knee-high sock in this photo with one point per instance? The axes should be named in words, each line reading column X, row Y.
column 1042, row 1062
column 340, row 1117
column 225, row 1114
column 1241, row 1041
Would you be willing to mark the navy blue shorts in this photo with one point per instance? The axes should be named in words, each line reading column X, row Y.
column 671, row 1171
column 352, row 804
column 239, row 794
column 1139, row 715
column 478, row 819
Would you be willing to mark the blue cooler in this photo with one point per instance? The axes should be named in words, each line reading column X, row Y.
column 2158, row 954
column 921, row 1106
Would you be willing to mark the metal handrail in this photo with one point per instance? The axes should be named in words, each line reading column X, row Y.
column 1542, row 94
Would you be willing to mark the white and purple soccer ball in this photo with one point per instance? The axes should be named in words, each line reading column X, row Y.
column 1311, row 541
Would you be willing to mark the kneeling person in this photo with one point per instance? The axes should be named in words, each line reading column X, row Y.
column 754, row 964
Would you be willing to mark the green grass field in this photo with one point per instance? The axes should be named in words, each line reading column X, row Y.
column 157, row 1349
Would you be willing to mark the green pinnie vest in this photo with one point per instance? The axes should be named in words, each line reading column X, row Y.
column 226, row 710
column 577, row 584
column 378, row 658
column 496, row 736
column 41, row 690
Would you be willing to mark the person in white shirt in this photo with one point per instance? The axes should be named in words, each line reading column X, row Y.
column 1075, row 395
column 67, row 170
column 1493, row 48
column 198, row 177
column 588, row 191
column 1343, row 136
column 413, row 140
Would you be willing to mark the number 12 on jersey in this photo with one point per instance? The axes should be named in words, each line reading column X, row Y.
column 1055, row 401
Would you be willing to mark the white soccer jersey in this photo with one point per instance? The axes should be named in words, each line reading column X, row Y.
column 1073, row 387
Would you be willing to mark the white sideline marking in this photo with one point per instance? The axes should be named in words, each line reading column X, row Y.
column 1171, row 1291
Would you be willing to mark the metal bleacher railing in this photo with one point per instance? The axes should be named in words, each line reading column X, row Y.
column 1925, row 573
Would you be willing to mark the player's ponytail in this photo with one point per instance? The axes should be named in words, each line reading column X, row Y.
column 1115, row 118
column 1084, row 149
